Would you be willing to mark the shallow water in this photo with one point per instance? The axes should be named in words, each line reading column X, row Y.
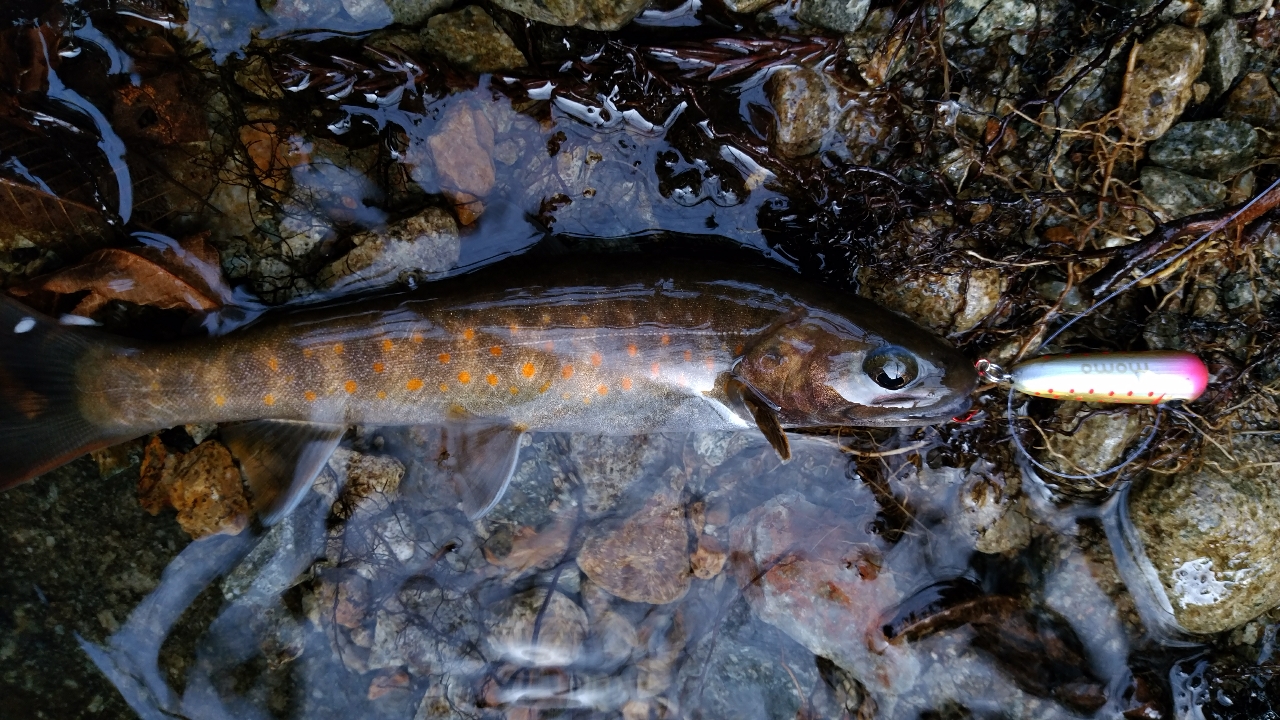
column 327, row 152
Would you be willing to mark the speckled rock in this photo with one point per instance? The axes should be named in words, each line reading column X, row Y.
column 802, row 112
column 1254, row 101
column 428, row 629
column 1224, row 58
column 470, row 40
column 1213, row 535
column 954, row 300
column 413, row 12
column 368, row 13
column 1095, row 439
column 561, row 629
column 424, row 244
column 646, row 557
column 747, row 6
column 843, row 16
column 1173, row 194
column 1002, row 18
column 1158, row 88
column 1209, row 148
column 589, row 14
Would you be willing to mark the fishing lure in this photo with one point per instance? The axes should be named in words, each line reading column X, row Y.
column 1145, row 378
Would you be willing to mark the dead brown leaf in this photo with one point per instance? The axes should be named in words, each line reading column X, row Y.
column 180, row 275
column 160, row 110
column 273, row 153
column 533, row 549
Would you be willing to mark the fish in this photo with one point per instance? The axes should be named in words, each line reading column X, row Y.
column 621, row 346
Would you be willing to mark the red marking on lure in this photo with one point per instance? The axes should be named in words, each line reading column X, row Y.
column 1136, row 377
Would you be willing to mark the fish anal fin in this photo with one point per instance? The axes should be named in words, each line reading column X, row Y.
column 279, row 460
column 477, row 462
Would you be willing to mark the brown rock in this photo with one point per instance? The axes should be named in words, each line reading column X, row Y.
column 708, row 560
column 603, row 15
column 206, row 491
column 470, row 40
column 534, row 632
column 1254, row 101
column 954, row 300
column 273, row 154
column 462, row 149
column 646, row 559
column 1160, row 84
column 801, row 111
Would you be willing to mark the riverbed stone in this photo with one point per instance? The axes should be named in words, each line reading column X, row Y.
column 1210, row 148
column 1224, row 58
column 1002, row 18
column 953, row 300
column 1173, row 194
column 802, row 112
column 425, row 244
column 413, row 12
column 1212, row 533
column 560, row 626
column 588, row 14
column 843, row 16
column 1160, row 84
column 469, row 39
column 645, row 558
column 1254, row 101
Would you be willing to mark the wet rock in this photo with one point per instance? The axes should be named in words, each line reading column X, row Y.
column 462, row 154
column 1254, row 101
column 368, row 483
column 1224, row 58
column 1002, row 18
column 1212, row 535
column 990, row 510
column 531, row 631
column 428, row 629
column 470, row 40
column 614, row 639
column 422, row 245
column 589, row 14
column 609, row 464
column 413, row 12
column 802, row 114
column 747, row 6
column 868, row 128
column 203, row 485
column 367, row 14
column 1173, row 194
column 1160, row 84
column 1209, row 148
column 1093, row 439
column 646, row 557
column 304, row 12
column 843, row 16
column 954, row 300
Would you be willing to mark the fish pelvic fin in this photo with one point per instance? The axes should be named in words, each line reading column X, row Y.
column 41, row 423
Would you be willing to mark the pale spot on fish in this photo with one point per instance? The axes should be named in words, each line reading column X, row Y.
column 688, row 355
column 24, row 325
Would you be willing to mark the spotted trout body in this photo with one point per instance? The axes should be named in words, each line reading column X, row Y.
column 549, row 347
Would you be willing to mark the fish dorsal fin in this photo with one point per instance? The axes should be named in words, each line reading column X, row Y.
column 478, row 462
column 279, row 460
column 762, row 411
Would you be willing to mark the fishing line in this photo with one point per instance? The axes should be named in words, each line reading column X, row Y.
column 994, row 373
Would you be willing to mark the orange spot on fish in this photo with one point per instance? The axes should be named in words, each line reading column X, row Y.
column 1111, row 394
column 737, row 349
column 602, row 390
column 219, row 400
column 379, row 367
column 655, row 369
column 666, row 340
column 273, row 364
column 464, row 377
column 688, row 355
column 491, row 379
column 566, row 372
column 549, row 346
column 269, row 399
column 545, row 387
column 528, row 370
column 587, row 400
column 596, row 359
column 565, row 396
column 444, row 388
column 307, row 352
column 310, row 396
column 468, row 334
column 387, row 345
column 443, row 358
column 495, row 351
column 382, row 395
column 337, row 349
column 710, row 362
column 626, row 383
column 416, row 337
column 514, row 390
column 414, row 384
column 631, row 350
column 514, row 328
column 350, row 387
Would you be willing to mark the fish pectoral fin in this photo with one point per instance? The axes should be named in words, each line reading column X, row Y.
column 478, row 462
column 279, row 460
column 763, row 413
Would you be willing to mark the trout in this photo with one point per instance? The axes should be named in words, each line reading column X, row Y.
column 637, row 347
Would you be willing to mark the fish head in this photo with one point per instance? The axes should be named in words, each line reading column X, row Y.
column 826, row 370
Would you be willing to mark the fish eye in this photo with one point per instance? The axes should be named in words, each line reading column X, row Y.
column 891, row 367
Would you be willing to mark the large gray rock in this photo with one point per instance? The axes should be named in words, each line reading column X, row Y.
column 1173, row 194
column 590, row 14
column 1210, row 148
column 1002, row 18
column 1213, row 535
column 1160, row 85
column 843, row 16
column 1224, row 59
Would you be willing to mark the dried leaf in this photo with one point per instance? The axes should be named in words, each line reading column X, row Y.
column 168, row 275
column 533, row 549
column 30, row 216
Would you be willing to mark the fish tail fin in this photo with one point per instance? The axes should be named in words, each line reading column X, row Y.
column 41, row 425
